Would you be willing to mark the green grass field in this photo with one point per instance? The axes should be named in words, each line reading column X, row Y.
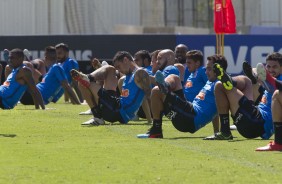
column 51, row 147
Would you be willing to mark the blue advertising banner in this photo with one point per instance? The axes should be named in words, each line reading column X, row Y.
column 238, row 48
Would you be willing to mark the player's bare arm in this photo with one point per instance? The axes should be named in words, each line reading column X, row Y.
column 70, row 92
column 25, row 77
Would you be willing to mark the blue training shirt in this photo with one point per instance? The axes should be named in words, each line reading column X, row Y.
column 265, row 109
column 186, row 73
column 11, row 91
column 170, row 70
column 51, row 83
column 195, row 82
column 205, row 106
column 131, row 98
column 67, row 65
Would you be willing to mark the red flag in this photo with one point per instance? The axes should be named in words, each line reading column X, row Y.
column 224, row 17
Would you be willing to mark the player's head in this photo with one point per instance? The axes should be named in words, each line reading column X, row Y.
column 16, row 57
column 274, row 64
column 50, row 55
column 165, row 58
column 62, row 51
column 180, row 53
column 142, row 58
column 122, row 62
column 211, row 60
column 194, row 60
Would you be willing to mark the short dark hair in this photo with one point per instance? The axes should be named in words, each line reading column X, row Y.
column 195, row 55
column 275, row 56
column 144, row 54
column 220, row 59
column 63, row 46
column 51, row 52
column 121, row 54
column 18, row 52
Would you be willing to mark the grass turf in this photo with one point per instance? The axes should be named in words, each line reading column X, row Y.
column 52, row 147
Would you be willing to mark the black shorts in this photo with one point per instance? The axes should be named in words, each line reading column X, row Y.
column 248, row 119
column 27, row 98
column 1, row 104
column 109, row 103
column 180, row 112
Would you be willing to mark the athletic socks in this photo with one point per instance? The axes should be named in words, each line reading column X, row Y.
column 96, row 111
column 261, row 91
column 157, row 123
column 224, row 123
column 278, row 132
column 180, row 93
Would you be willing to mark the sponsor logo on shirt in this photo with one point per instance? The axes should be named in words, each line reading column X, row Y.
column 125, row 93
column 263, row 99
column 6, row 83
column 201, row 95
column 189, row 84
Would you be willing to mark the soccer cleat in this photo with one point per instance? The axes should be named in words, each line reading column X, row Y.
column 94, row 122
column 272, row 146
column 223, row 76
column 152, row 133
column 88, row 112
column 104, row 63
column 248, row 71
column 80, row 77
column 27, row 54
column 261, row 73
column 160, row 80
column 6, row 55
column 135, row 118
column 233, row 127
column 220, row 136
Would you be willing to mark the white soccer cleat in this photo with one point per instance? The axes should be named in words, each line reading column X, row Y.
column 27, row 54
column 94, row 122
column 88, row 112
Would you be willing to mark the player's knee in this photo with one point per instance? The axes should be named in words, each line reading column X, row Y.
column 275, row 95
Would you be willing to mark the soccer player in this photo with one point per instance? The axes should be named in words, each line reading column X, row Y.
column 143, row 59
column 103, row 100
column 18, row 81
column 251, row 121
column 198, row 78
column 276, row 107
column 62, row 51
column 180, row 54
column 54, row 80
column 168, row 98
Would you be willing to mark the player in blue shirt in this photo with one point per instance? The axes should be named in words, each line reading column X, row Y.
column 198, row 77
column 180, row 55
column 103, row 101
column 251, row 121
column 54, row 80
column 18, row 81
column 62, row 51
column 143, row 59
column 276, row 107
column 168, row 98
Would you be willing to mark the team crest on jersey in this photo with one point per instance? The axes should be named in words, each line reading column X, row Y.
column 201, row 95
column 263, row 99
column 6, row 83
column 125, row 93
column 189, row 84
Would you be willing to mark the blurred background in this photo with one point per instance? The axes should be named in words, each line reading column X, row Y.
column 100, row 28
column 56, row 17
